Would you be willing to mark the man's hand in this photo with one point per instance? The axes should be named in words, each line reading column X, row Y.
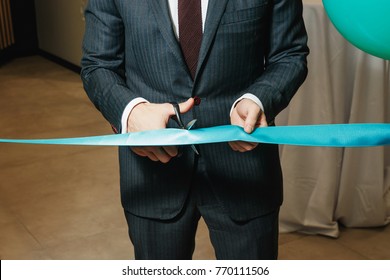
column 250, row 116
column 149, row 116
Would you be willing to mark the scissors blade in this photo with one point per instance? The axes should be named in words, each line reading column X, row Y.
column 188, row 127
column 195, row 149
column 191, row 124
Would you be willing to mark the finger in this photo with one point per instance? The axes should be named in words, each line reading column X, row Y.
column 187, row 105
column 235, row 119
column 236, row 147
column 160, row 154
column 240, row 146
column 151, row 156
column 153, row 153
column 143, row 152
column 171, row 150
column 246, row 146
column 233, row 146
column 251, row 120
column 263, row 120
column 139, row 151
column 184, row 107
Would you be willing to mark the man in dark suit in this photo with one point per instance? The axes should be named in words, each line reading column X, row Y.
column 244, row 59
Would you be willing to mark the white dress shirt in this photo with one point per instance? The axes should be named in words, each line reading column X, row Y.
column 173, row 6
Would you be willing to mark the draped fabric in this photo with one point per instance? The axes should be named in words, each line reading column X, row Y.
column 6, row 30
column 324, row 187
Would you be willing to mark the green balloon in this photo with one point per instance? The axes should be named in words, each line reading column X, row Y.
column 364, row 23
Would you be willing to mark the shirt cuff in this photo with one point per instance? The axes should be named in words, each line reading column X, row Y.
column 248, row 96
column 128, row 109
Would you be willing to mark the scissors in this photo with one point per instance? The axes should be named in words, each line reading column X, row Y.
column 177, row 119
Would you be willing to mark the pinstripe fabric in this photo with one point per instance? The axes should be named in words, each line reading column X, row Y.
column 256, row 46
column 175, row 238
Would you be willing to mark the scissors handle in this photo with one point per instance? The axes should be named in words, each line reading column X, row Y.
column 178, row 120
column 177, row 116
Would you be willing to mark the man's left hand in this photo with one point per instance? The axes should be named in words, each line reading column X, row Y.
column 248, row 115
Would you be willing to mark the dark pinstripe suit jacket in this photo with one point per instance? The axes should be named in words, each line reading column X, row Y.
column 256, row 46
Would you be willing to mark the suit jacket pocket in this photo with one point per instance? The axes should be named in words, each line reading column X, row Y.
column 248, row 14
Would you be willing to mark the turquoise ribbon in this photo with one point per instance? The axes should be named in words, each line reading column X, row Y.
column 333, row 135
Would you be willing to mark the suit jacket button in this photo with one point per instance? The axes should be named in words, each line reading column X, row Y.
column 197, row 100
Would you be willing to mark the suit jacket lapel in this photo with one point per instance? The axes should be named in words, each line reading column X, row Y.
column 215, row 11
column 160, row 10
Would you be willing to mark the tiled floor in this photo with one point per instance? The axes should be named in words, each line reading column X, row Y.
column 62, row 202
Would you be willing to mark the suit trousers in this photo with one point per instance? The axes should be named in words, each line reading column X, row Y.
column 175, row 238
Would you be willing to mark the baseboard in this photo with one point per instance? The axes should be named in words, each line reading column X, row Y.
column 60, row 61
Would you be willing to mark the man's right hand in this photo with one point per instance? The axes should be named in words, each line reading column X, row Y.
column 150, row 116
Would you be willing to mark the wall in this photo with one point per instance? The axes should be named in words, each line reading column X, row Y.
column 60, row 26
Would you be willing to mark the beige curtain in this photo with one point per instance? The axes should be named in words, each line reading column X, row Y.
column 327, row 186
column 6, row 30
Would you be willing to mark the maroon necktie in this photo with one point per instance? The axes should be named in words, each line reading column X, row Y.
column 190, row 31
